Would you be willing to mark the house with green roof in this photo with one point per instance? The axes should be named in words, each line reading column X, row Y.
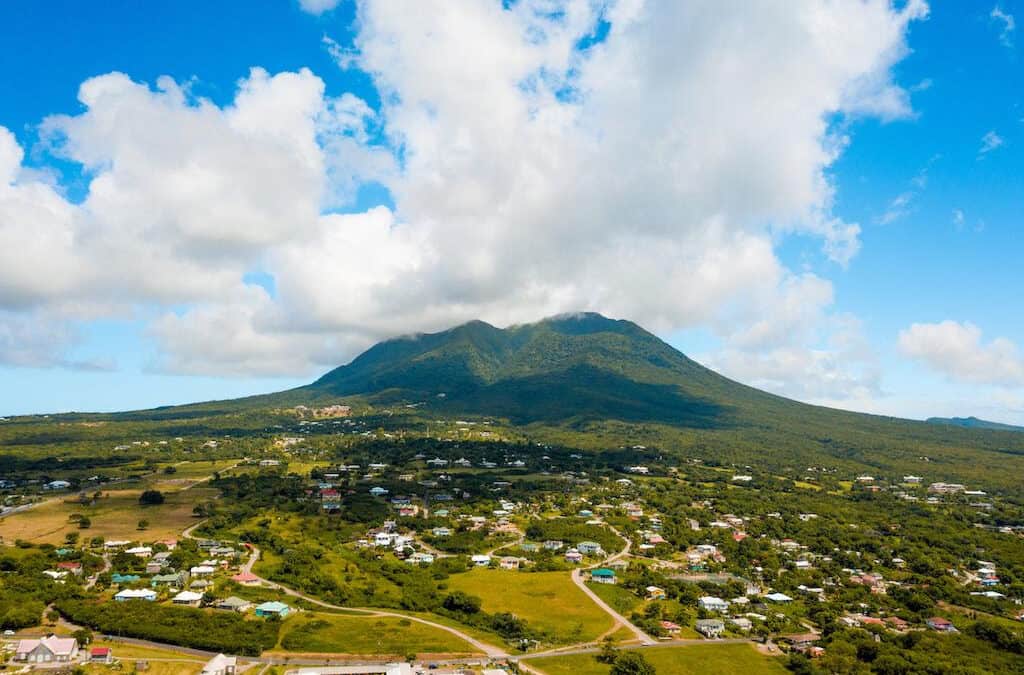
column 602, row 575
column 273, row 608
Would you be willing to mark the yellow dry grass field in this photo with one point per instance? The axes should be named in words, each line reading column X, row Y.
column 114, row 516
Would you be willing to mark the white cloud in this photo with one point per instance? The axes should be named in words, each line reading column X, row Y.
column 1007, row 25
column 989, row 142
column 956, row 350
column 318, row 7
column 959, row 218
column 648, row 177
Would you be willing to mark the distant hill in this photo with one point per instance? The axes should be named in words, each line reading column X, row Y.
column 973, row 423
column 598, row 383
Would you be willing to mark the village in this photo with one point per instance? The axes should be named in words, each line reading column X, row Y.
column 660, row 554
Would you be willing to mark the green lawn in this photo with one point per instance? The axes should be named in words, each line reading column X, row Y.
column 620, row 599
column 701, row 659
column 548, row 601
column 346, row 634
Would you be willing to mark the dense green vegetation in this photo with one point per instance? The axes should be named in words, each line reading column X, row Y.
column 212, row 631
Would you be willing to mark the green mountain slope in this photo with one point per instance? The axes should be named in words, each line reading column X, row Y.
column 578, row 366
column 973, row 423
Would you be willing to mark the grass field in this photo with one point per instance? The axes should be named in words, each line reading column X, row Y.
column 620, row 599
column 115, row 516
column 161, row 661
column 344, row 634
column 548, row 601
column 709, row 659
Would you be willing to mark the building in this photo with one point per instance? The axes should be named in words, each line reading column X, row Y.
column 273, row 608
column 220, row 665
column 589, row 548
column 655, row 593
column 246, row 579
column 941, row 625
column 602, row 575
column 710, row 628
column 190, row 598
column 481, row 560
column 710, row 603
column 101, row 655
column 573, row 556
column 135, row 594
column 50, row 649
column 778, row 597
column 234, row 604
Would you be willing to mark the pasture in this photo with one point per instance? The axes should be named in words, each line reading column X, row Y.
column 548, row 601
column 329, row 633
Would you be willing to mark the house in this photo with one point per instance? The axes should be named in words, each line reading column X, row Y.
column 140, row 551
column 57, row 485
column 202, row 570
column 119, row 579
column 553, row 545
column 190, row 598
column 68, row 566
column 778, row 597
column 480, row 560
column 220, row 665
column 420, row 557
column 135, row 594
column 175, row 579
column 50, row 649
column 573, row 556
column 655, row 593
column 589, row 548
column 441, row 532
column 941, row 625
column 710, row 628
column 742, row 623
column 802, row 641
column 602, row 575
column 710, row 603
column 669, row 627
column 234, row 604
column 509, row 563
column 273, row 608
column 101, row 655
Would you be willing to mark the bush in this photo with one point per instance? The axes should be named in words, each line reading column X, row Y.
column 151, row 497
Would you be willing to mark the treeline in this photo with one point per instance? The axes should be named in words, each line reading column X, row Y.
column 216, row 632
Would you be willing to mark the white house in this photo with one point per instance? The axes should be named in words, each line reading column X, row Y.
column 712, row 604
column 135, row 594
column 481, row 560
column 190, row 598
column 220, row 665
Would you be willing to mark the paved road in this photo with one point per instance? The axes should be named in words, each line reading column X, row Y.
column 254, row 554
column 577, row 578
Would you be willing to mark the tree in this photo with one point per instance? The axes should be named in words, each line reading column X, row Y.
column 609, row 652
column 169, row 469
column 631, row 663
column 83, row 636
column 151, row 497
column 71, row 538
column 462, row 602
column 143, row 524
column 84, row 523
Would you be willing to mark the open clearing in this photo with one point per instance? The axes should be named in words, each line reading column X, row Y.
column 709, row 659
column 345, row 634
column 114, row 516
column 548, row 601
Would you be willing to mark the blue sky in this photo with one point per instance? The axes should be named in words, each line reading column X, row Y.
column 406, row 164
